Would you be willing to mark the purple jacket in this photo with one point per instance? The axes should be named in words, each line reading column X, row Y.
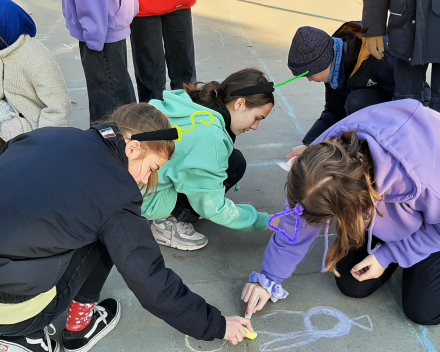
column 402, row 139
column 99, row 21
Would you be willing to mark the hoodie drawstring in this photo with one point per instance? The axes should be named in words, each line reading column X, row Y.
column 324, row 257
column 370, row 236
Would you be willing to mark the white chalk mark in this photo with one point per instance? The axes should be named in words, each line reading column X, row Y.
column 312, row 334
column 187, row 344
column 221, row 47
column 284, row 104
column 66, row 49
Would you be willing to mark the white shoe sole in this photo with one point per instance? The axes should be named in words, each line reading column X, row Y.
column 101, row 334
column 13, row 347
column 162, row 241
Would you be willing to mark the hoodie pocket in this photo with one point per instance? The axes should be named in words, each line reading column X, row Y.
column 126, row 11
column 397, row 7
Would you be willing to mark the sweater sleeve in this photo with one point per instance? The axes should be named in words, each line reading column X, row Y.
column 51, row 89
column 136, row 255
column 206, row 194
column 412, row 249
column 93, row 23
column 374, row 18
column 282, row 257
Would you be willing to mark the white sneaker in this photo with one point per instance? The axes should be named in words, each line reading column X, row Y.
column 181, row 235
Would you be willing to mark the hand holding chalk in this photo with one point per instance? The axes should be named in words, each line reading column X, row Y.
column 255, row 296
column 297, row 151
column 237, row 328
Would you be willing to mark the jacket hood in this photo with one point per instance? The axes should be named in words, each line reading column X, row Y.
column 177, row 104
column 14, row 22
column 390, row 130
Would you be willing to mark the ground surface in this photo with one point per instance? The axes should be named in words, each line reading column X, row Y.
column 231, row 35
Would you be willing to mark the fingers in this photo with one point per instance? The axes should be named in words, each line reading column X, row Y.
column 247, row 291
column 366, row 262
column 380, row 46
column 252, row 300
column 261, row 304
column 247, row 324
column 233, row 341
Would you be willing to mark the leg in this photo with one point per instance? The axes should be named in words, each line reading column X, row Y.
column 83, row 279
column 108, row 82
column 179, row 47
column 351, row 287
column 435, row 88
column 148, row 57
column 409, row 80
column 236, row 169
column 362, row 98
column 421, row 290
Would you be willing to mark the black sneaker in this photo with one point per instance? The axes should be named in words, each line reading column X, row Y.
column 36, row 342
column 105, row 317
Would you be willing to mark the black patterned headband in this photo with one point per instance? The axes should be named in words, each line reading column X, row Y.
column 169, row 134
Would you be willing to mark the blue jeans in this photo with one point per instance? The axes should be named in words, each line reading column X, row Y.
column 410, row 82
column 82, row 281
column 108, row 82
column 156, row 40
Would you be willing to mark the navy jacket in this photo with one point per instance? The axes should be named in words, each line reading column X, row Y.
column 361, row 71
column 64, row 188
column 413, row 27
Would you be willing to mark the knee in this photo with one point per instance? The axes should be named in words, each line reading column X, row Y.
column 354, row 103
column 420, row 315
column 350, row 287
column 237, row 165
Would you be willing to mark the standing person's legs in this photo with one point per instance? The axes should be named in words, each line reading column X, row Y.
column 362, row 98
column 108, row 82
column 82, row 281
column 148, row 57
column 351, row 287
column 179, row 47
column 409, row 80
column 421, row 291
column 435, row 88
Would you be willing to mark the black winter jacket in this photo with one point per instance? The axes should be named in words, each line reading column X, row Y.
column 413, row 27
column 64, row 188
column 361, row 71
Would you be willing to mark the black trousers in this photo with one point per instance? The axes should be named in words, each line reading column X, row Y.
column 149, row 37
column 420, row 286
column 82, row 281
column 410, row 83
column 108, row 82
column 183, row 210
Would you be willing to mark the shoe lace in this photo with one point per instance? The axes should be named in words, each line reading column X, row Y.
column 184, row 227
column 102, row 313
column 48, row 345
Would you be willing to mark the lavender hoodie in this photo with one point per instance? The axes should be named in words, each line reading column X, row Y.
column 96, row 22
column 402, row 139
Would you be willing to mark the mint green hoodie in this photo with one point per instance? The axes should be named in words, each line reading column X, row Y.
column 198, row 169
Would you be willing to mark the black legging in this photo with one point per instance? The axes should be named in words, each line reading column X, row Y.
column 420, row 286
column 183, row 210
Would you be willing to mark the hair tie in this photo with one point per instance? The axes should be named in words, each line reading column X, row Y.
column 298, row 210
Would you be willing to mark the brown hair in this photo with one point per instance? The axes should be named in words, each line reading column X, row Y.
column 212, row 93
column 336, row 177
column 136, row 118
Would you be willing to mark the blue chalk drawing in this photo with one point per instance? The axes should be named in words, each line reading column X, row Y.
column 312, row 334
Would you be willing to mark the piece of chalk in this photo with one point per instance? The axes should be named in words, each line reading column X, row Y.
column 250, row 335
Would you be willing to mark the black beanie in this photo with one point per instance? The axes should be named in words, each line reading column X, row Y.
column 311, row 50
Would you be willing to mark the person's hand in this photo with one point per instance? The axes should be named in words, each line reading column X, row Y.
column 297, row 151
column 367, row 269
column 375, row 46
column 250, row 294
column 275, row 222
column 234, row 329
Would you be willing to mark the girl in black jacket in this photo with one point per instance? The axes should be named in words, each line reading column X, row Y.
column 70, row 208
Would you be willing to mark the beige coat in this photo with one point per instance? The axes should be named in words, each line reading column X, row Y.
column 32, row 83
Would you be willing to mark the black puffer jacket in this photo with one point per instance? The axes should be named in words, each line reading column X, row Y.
column 64, row 188
column 413, row 27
